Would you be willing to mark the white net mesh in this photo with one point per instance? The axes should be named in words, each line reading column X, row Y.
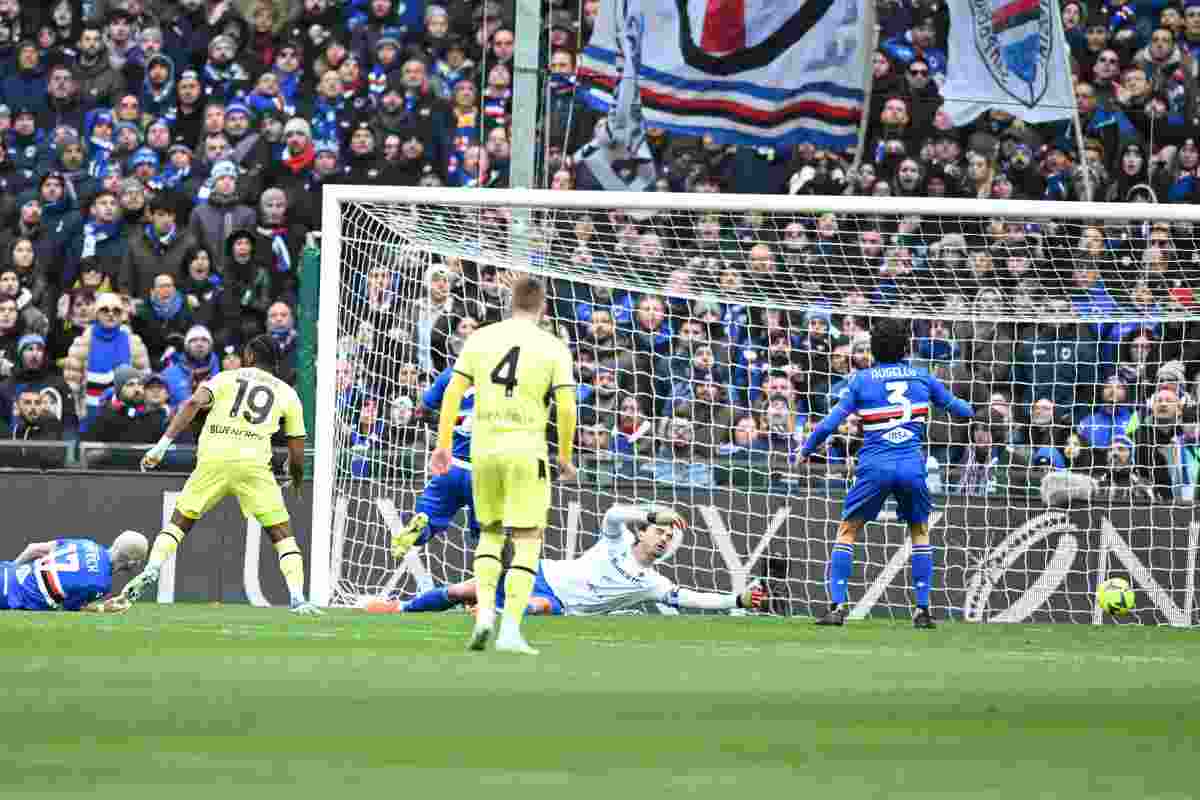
column 708, row 342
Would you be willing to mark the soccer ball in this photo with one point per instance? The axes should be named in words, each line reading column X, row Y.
column 1115, row 597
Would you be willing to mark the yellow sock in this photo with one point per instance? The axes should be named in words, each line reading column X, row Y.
column 165, row 545
column 518, row 583
column 487, row 569
column 291, row 564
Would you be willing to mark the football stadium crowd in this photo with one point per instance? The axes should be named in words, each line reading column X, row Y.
column 162, row 177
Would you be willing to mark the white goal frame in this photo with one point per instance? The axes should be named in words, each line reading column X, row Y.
column 335, row 197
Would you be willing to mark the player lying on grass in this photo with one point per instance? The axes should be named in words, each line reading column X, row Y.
column 245, row 408
column 70, row 574
column 444, row 494
column 892, row 399
column 615, row 573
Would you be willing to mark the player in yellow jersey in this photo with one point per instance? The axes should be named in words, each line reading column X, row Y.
column 245, row 408
column 516, row 368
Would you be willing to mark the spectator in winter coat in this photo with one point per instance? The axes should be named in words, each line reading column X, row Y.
column 158, row 246
column 125, row 419
column 280, row 241
column 162, row 317
column 281, row 324
column 34, row 371
column 215, row 221
column 196, row 364
column 34, row 422
column 103, row 238
column 96, row 354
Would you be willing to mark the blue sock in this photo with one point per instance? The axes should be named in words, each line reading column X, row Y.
column 434, row 600
column 922, row 572
column 841, row 564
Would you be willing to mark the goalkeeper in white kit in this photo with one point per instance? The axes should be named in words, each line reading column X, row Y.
column 616, row 573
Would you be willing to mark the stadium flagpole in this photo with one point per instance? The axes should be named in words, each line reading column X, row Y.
column 869, row 37
column 1066, row 56
column 523, row 149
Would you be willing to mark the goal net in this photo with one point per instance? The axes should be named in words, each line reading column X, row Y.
column 710, row 334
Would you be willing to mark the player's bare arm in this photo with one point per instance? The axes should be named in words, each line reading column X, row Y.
column 33, row 551
column 295, row 464
column 201, row 399
column 439, row 462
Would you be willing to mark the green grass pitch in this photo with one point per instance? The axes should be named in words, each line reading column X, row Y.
column 228, row 702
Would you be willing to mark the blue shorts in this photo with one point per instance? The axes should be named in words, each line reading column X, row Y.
column 444, row 495
column 540, row 589
column 874, row 483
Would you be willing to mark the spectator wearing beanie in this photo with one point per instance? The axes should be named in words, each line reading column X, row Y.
column 125, row 419
column 239, row 127
column 159, row 246
column 294, row 169
column 134, row 211
column 95, row 355
column 34, row 370
column 196, row 364
column 27, row 145
column 214, row 221
column 224, row 78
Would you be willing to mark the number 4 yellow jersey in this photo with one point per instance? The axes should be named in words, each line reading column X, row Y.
column 515, row 366
column 248, row 407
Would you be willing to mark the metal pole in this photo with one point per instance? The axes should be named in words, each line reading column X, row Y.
column 526, row 73
column 1066, row 56
column 870, row 36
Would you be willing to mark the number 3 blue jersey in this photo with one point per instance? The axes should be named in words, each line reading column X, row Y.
column 466, row 413
column 76, row 572
column 893, row 402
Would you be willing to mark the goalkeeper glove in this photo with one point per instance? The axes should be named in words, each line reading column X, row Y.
column 753, row 598
column 665, row 517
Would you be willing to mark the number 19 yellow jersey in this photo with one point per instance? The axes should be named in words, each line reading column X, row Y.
column 248, row 407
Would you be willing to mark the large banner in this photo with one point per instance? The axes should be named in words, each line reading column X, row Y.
column 996, row 562
column 752, row 72
column 1008, row 55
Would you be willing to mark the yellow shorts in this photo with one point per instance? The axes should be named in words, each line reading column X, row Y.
column 256, row 489
column 513, row 490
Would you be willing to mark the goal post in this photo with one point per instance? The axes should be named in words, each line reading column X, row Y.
column 711, row 331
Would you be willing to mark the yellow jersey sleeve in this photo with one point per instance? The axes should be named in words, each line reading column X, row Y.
column 564, row 369
column 465, row 363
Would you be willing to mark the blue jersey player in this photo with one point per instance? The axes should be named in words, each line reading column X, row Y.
column 69, row 574
column 892, row 399
column 445, row 494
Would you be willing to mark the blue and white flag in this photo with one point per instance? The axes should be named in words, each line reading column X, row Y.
column 756, row 72
column 1007, row 55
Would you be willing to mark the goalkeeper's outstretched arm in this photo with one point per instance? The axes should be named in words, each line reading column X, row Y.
column 753, row 598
